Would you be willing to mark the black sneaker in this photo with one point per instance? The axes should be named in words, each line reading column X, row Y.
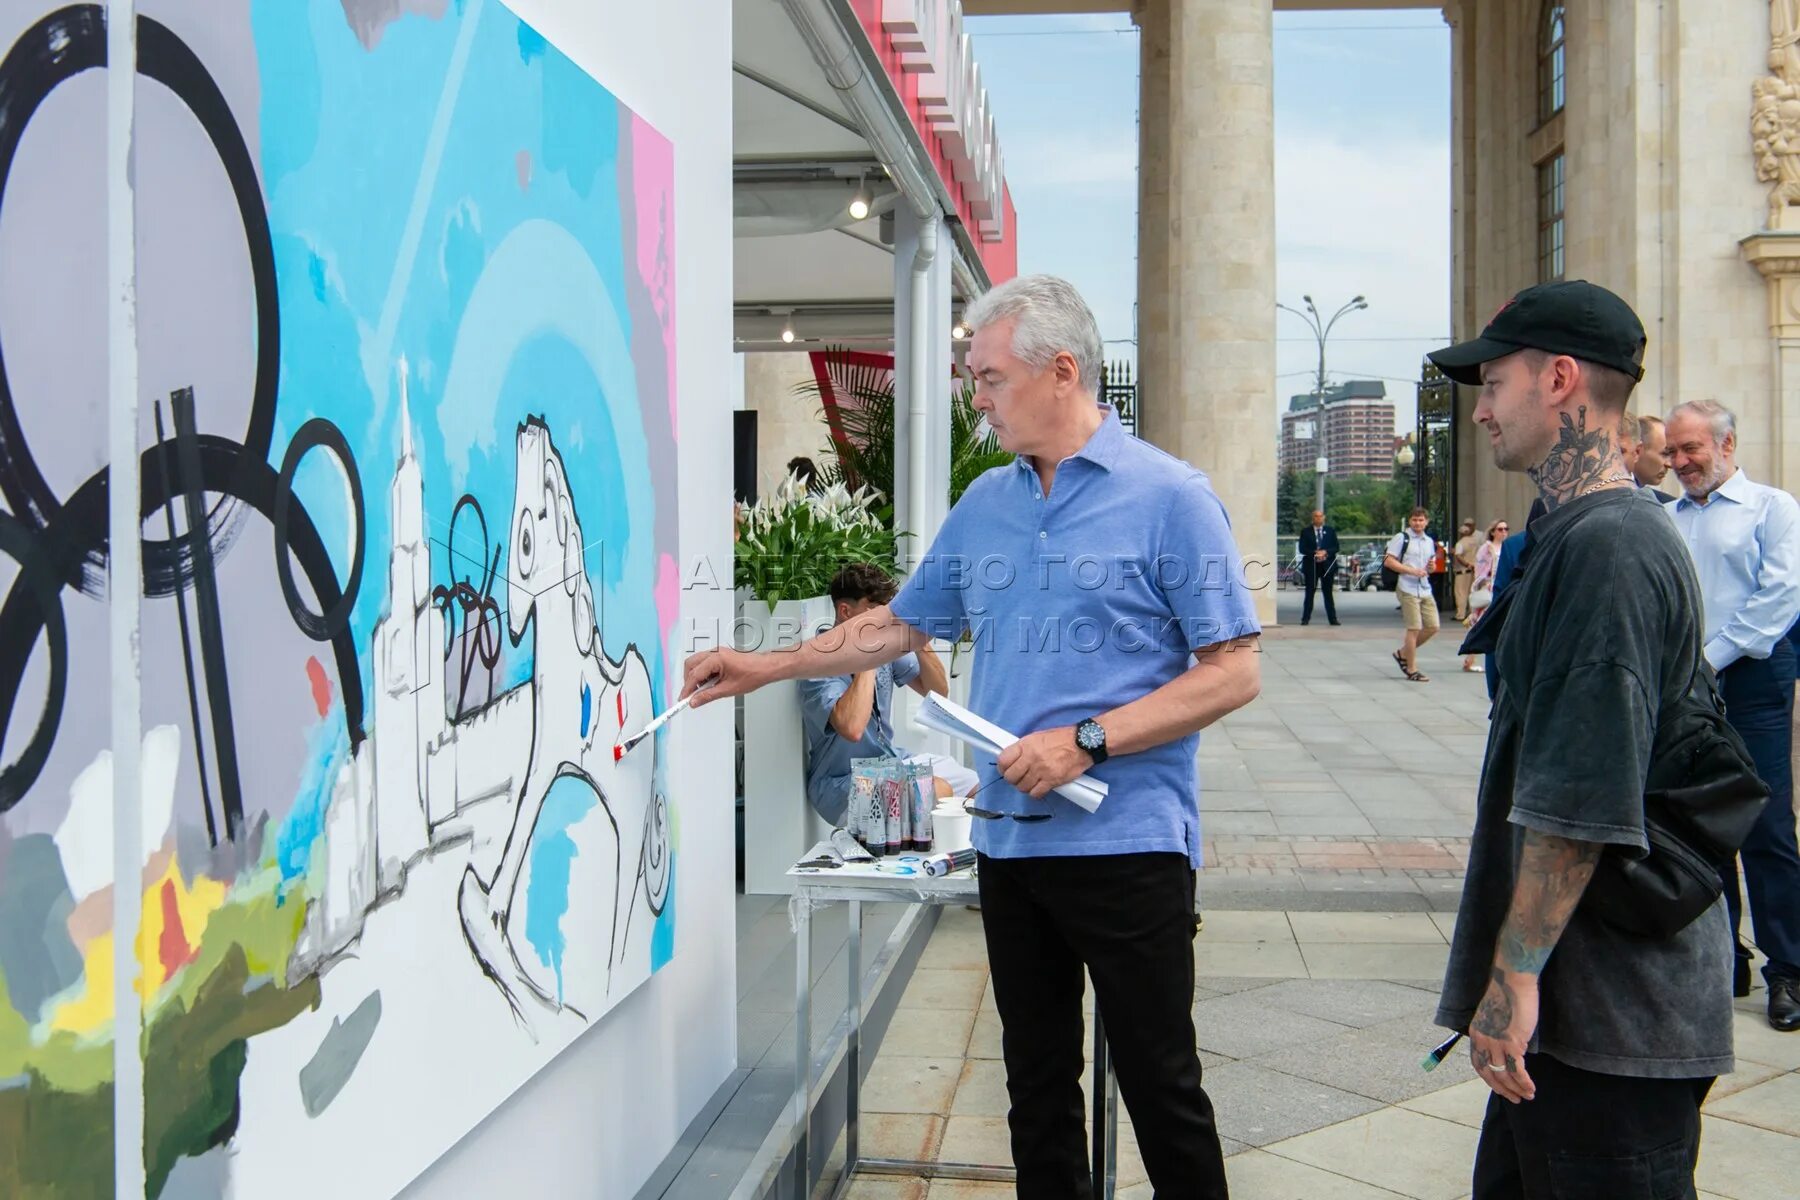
column 1784, row 1004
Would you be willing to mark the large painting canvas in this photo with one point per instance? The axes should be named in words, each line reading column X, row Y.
column 409, row 501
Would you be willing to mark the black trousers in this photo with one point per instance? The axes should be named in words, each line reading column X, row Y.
column 1759, row 703
column 1129, row 918
column 1322, row 583
column 1591, row 1137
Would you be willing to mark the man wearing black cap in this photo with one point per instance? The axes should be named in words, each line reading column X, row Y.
column 1598, row 1045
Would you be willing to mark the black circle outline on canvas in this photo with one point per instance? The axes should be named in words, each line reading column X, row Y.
column 320, row 434
column 37, row 573
column 66, row 541
column 57, row 48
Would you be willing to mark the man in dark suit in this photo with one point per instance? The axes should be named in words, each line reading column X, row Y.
column 1318, row 565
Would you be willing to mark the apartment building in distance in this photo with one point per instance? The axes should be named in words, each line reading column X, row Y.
column 1351, row 425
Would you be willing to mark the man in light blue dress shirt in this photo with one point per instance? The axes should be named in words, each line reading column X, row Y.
column 1745, row 539
column 1112, row 622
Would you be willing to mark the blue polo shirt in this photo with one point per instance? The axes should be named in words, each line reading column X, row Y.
column 1079, row 602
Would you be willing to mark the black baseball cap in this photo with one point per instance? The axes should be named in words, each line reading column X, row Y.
column 1573, row 317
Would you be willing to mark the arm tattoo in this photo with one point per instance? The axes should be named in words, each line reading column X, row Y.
column 1580, row 458
column 1553, row 873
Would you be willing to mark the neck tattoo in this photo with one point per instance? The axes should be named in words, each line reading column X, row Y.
column 1583, row 460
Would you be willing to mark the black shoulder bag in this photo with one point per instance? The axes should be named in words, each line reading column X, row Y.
column 1390, row 578
column 1700, row 800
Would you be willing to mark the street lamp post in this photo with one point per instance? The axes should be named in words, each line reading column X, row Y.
column 1320, row 466
column 1321, row 330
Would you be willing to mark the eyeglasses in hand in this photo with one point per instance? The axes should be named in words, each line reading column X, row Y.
column 988, row 814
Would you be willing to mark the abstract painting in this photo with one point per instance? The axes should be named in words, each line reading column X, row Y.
column 409, row 534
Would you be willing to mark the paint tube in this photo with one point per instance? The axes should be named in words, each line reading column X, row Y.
column 893, row 788
column 866, row 815
column 848, row 848
column 922, row 794
column 950, row 860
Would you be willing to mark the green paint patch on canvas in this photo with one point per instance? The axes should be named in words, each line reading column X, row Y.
column 56, row 1089
column 54, row 1143
column 195, row 1056
column 15, row 1035
column 60, row 1060
column 258, row 922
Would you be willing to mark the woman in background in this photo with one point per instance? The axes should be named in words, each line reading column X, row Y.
column 1481, row 592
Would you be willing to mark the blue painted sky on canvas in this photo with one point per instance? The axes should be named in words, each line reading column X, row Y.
column 1362, row 129
column 518, row 284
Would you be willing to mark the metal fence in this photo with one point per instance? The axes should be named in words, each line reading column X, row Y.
column 1118, row 387
column 1359, row 559
column 1434, row 470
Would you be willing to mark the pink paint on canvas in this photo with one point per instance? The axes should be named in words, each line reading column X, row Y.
column 668, row 607
column 653, row 185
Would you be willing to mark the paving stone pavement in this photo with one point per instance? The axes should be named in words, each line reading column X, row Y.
column 1315, row 1081
column 1336, row 812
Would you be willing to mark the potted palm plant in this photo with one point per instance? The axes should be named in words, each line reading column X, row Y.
column 858, row 407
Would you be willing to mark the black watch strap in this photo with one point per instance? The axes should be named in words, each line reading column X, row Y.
column 1097, row 752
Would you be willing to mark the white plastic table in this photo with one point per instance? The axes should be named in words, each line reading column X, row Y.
column 856, row 884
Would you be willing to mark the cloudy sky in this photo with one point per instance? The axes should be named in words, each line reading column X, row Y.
column 1362, row 176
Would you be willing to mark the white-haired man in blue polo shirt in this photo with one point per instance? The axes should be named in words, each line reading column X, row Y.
column 1105, row 594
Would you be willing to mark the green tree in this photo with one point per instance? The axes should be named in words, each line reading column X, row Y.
column 1288, row 491
column 1359, row 504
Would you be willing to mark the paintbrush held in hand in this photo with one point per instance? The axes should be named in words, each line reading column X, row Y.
column 629, row 744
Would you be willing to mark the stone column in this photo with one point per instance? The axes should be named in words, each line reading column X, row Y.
column 1776, row 256
column 1464, row 234
column 1220, row 383
column 1473, row 461
column 1157, row 415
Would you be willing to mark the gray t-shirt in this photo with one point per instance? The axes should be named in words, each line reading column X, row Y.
column 1598, row 633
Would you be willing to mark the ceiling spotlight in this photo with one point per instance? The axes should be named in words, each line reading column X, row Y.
column 787, row 331
column 959, row 331
column 859, row 203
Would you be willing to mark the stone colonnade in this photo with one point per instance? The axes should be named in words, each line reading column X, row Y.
column 1206, row 256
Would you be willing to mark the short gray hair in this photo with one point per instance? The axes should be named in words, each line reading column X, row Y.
column 1722, row 419
column 1646, row 425
column 1049, row 317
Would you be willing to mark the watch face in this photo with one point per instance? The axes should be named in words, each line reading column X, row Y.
column 1090, row 736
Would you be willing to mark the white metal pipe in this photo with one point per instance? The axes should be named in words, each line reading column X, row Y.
column 964, row 278
column 822, row 29
column 921, row 377
column 124, row 587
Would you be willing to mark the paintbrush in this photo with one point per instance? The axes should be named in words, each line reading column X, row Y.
column 629, row 744
column 1432, row 1060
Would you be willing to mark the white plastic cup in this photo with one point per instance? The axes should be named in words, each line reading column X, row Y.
column 950, row 823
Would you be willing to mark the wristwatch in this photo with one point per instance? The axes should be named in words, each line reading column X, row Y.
column 1090, row 735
